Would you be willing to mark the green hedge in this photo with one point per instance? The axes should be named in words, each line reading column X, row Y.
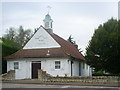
column 6, row 50
column 101, row 74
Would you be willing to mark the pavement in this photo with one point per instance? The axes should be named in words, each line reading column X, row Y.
column 36, row 81
column 11, row 85
column 6, row 85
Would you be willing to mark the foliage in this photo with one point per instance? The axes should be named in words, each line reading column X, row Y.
column 70, row 39
column 17, row 37
column 6, row 50
column 102, row 51
column 101, row 73
column 80, row 50
column 14, row 40
column 23, row 36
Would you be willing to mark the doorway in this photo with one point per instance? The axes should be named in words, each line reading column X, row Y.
column 71, row 68
column 35, row 67
column 79, row 69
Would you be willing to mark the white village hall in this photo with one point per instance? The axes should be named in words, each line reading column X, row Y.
column 49, row 52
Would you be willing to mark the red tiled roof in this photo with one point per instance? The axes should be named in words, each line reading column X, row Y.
column 38, row 53
column 67, row 49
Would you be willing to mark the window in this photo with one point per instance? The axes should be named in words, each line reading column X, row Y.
column 47, row 24
column 16, row 65
column 57, row 64
column 51, row 25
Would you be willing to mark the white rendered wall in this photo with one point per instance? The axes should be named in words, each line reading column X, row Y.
column 48, row 65
column 86, row 71
column 24, row 71
column 75, row 68
column 41, row 39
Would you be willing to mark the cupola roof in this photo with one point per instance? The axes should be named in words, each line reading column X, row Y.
column 47, row 17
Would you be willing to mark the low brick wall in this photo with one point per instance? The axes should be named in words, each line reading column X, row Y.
column 43, row 75
column 92, row 79
column 10, row 75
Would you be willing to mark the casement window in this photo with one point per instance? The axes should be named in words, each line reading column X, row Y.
column 57, row 64
column 16, row 65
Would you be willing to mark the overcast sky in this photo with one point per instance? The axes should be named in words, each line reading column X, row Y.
column 78, row 19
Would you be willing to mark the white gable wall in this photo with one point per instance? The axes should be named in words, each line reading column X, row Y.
column 41, row 39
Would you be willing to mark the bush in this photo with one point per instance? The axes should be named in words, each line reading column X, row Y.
column 103, row 74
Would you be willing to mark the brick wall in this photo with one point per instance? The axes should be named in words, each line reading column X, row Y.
column 92, row 79
column 10, row 75
column 43, row 75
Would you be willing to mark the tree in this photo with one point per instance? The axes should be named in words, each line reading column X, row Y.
column 11, row 34
column 102, row 50
column 80, row 50
column 17, row 37
column 6, row 50
column 12, row 41
column 23, row 36
column 70, row 39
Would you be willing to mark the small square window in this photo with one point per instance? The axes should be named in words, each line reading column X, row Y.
column 57, row 64
column 16, row 65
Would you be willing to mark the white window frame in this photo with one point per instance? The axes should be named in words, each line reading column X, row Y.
column 16, row 65
column 57, row 64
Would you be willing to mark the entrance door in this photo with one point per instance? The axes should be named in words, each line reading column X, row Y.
column 35, row 67
column 79, row 69
column 71, row 68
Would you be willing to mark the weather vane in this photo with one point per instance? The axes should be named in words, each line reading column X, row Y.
column 48, row 7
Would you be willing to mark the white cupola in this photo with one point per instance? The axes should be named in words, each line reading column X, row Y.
column 48, row 23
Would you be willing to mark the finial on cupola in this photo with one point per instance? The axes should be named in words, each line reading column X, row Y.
column 48, row 21
column 48, row 7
